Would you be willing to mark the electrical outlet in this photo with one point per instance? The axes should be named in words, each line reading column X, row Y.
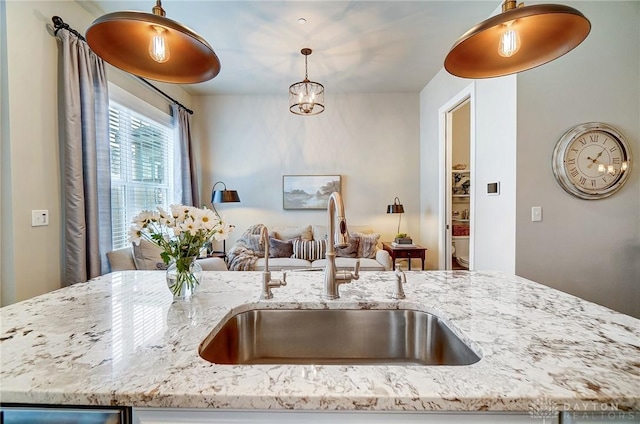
column 536, row 213
column 39, row 218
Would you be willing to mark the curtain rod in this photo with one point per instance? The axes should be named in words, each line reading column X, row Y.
column 59, row 24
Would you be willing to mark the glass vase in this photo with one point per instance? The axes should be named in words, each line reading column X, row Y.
column 183, row 277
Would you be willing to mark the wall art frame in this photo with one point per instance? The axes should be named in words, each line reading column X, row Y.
column 308, row 192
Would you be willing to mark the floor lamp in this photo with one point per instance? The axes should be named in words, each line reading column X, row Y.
column 223, row 196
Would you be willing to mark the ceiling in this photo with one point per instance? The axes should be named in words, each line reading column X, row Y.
column 358, row 46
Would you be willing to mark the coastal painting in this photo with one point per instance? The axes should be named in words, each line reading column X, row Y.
column 308, row 191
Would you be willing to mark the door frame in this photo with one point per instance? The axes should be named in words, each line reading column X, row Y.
column 444, row 205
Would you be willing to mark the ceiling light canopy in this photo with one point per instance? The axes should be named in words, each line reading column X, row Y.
column 306, row 97
column 152, row 46
column 517, row 39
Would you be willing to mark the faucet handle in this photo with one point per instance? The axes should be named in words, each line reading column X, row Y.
column 284, row 278
column 356, row 269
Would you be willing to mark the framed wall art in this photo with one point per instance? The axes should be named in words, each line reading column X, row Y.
column 308, row 191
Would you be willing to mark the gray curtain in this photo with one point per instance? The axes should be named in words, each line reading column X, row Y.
column 85, row 164
column 189, row 183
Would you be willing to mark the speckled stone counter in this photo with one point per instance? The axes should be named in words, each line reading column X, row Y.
column 119, row 340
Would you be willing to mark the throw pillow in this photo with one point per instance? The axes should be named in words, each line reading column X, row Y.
column 351, row 250
column 280, row 248
column 310, row 250
column 367, row 245
column 146, row 256
column 289, row 233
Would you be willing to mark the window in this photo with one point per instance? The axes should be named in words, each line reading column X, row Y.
column 141, row 142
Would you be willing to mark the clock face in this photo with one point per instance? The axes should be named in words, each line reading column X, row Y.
column 592, row 161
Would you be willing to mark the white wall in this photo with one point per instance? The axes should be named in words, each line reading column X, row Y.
column 439, row 91
column 31, row 256
column 5, row 170
column 371, row 140
column 587, row 248
column 494, row 109
column 495, row 229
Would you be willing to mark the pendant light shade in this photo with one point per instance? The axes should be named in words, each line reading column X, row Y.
column 152, row 46
column 306, row 97
column 518, row 39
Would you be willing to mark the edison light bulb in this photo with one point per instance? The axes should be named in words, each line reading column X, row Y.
column 509, row 42
column 158, row 47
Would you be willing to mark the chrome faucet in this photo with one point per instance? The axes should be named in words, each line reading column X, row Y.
column 398, row 290
column 339, row 238
column 267, row 282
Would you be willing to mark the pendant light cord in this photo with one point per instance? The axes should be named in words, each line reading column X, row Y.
column 59, row 24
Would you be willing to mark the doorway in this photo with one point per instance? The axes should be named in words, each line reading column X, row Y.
column 457, row 176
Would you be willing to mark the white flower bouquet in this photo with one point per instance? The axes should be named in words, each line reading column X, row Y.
column 181, row 234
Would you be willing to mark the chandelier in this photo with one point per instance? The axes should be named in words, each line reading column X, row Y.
column 306, row 97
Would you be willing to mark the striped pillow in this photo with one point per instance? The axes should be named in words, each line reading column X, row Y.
column 309, row 250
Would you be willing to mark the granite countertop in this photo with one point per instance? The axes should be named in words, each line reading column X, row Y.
column 119, row 340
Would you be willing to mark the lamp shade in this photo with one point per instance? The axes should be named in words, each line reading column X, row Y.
column 224, row 195
column 124, row 39
column 396, row 207
column 543, row 33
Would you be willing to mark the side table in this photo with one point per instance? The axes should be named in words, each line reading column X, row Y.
column 217, row 254
column 412, row 252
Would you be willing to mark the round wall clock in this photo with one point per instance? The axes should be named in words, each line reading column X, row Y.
column 592, row 161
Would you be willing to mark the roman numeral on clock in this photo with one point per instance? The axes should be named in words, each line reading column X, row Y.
column 593, row 138
column 574, row 172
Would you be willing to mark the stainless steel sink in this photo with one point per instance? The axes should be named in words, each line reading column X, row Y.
column 349, row 337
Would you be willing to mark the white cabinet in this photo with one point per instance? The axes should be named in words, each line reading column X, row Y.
column 213, row 416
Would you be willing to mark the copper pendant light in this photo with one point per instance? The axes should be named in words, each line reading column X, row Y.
column 517, row 39
column 152, row 46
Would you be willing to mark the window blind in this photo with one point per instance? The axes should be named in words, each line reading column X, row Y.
column 142, row 166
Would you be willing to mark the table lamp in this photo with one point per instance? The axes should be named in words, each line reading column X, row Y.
column 397, row 207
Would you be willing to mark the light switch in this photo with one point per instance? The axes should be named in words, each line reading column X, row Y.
column 39, row 218
column 536, row 213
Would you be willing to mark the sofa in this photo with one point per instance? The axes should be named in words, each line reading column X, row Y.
column 146, row 257
column 304, row 247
